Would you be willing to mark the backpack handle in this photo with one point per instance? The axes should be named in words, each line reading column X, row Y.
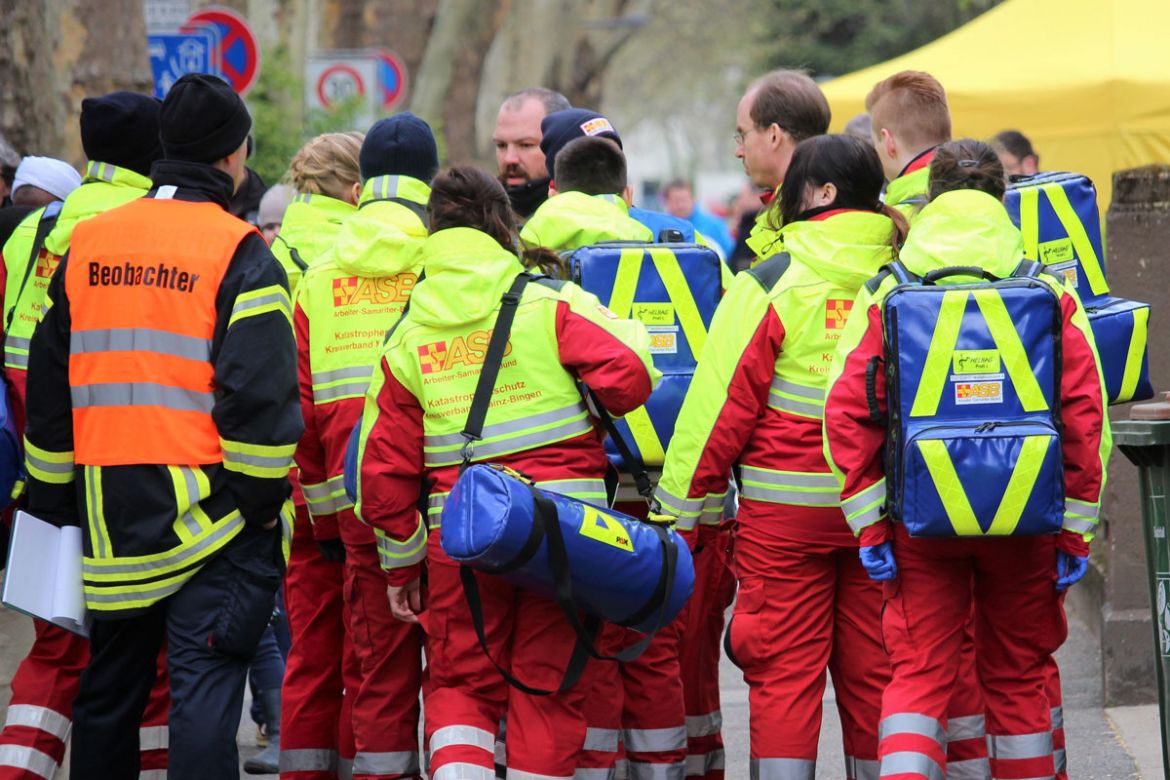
column 934, row 276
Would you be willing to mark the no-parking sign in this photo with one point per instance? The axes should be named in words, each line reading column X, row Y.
column 239, row 56
column 391, row 77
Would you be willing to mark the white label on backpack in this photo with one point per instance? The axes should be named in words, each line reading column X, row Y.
column 978, row 393
column 663, row 339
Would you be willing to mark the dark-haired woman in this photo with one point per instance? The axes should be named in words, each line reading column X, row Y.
column 757, row 400
column 1013, row 584
column 418, row 403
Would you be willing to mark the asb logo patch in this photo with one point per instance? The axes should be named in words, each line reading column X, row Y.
column 978, row 393
column 349, row 290
column 836, row 312
column 597, row 126
column 47, row 263
column 469, row 350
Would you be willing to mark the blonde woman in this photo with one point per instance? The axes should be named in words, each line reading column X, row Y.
column 325, row 175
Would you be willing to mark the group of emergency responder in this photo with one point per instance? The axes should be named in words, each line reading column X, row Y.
column 167, row 367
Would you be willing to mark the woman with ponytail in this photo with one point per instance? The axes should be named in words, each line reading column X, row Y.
column 757, row 400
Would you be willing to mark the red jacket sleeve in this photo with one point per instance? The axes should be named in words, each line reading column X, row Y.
column 310, row 455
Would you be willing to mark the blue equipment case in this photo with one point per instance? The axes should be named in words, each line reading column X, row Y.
column 1120, row 328
column 673, row 288
column 974, row 443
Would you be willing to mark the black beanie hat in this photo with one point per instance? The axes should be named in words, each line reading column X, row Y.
column 401, row 145
column 560, row 127
column 121, row 128
column 202, row 119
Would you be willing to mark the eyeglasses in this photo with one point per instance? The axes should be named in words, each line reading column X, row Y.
column 740, row 136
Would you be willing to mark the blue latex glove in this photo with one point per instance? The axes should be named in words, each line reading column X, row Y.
column 1069, row 569
column 878, row 561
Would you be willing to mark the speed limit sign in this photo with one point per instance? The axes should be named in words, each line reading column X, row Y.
column 335, row 78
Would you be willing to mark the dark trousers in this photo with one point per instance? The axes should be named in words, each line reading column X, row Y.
column 211, row 626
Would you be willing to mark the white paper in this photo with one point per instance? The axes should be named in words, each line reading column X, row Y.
column 43, row 575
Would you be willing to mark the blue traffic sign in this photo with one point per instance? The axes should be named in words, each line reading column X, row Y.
column 172, row 56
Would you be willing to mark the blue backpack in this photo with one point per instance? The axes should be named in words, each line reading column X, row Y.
column 1058, row 217
column 973, row 391
column 674, row 289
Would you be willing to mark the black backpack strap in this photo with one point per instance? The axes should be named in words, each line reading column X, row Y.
column 418, row 209
column 633, row 462
column 294, row 254
column 473, row 428
column 45, row 226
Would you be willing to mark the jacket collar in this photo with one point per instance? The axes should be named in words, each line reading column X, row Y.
column 192, row 181
column 404, row 187
column 112, row 174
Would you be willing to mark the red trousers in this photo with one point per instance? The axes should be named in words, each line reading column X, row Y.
column 32, row 744
column 1019, row 624
column 966, row 732
column 699, row 656
column 466, row 697
column 316, row 732
column 805, row 604
column 386, row 704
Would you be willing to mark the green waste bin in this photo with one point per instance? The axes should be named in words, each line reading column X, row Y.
column 1145, row 439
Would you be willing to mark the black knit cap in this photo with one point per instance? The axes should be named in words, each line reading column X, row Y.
column 202, row 119
column 121, row 128
column 560, row 127
column 401, row 145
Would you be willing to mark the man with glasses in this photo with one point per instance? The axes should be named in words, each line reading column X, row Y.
column 779, row 110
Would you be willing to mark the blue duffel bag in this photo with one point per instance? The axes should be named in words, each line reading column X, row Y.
column 1120, row 328
column 619, row 567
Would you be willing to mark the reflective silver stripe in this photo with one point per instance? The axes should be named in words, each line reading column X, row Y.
column 786, row 479
column 462, row 771
column 141, row 394
column 15, row 359
column 704, row 725
column 1018, row 746
column 139, row 340
column 42, row 718
column 152, row 774
column 1082, row 508
column 910, row 763
column 154, row 738
column 968, row 727
column 260, row 461
column 386, row 187
column 810, row 401
column 49, row 466
column 347, row 390
column 1060, row 761
column 801, row 391
column 802, row 408
column 1057, row 715
column 783, row 769
column 516, row 774
column 157, row 594
column 680, row 506
column 514, row 444
column 93, row 510
column 601, row 740
column 16, row 342
column 353, row 372
column 577, row 488
column 263, row 300
column 866, row 518
column 308, row 760
column 510, row 426
column 863, row 498
column 971, row 769
column 911, row 723
column 402, row 762
column 99, row 170
column 28, row 759
column 1078, row 525
column 700, row 765
column 324, row 489
column 462, row 735
column 181, row 556
column 595, row 773
column 863, row 769
column 192, row 484
column 640, row 770
column 655, row 740
column 344, row 769
column 798, row 497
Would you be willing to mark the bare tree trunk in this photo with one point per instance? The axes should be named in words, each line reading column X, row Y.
column 31, row 111
column 342, row 24
column 459, row 112
column 403, row 26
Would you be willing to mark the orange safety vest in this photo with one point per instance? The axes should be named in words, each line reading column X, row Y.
column 142, row 300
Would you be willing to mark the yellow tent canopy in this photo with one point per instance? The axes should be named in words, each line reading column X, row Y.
column 1088, row 81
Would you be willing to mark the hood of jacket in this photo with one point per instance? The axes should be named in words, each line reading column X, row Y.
column 311, row 224
column 467, row 272
column 963, row 227
column 382, row 238
column 105, row 187
column 846, row 248
column 570, row 220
